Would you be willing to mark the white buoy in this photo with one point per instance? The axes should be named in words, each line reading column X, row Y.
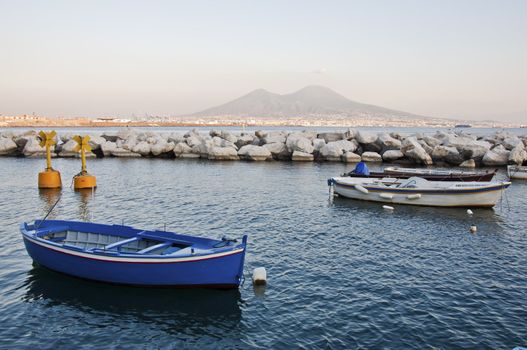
column 259, row 276
column 387, row 207
column 361, row 189
column 473, row 229
column 414, row 196
column 386, row 195
column 469, row 212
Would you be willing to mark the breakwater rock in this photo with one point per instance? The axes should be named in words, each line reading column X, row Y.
column 444, row 148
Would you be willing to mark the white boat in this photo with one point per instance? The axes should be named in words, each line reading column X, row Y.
column 418, row 191
column 517, row 172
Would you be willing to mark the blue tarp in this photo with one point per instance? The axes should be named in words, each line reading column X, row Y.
column 361, row 169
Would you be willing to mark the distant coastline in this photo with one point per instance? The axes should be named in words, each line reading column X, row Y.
column 33, row 121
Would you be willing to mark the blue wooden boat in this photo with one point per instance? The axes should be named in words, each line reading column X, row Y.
column 126, row 255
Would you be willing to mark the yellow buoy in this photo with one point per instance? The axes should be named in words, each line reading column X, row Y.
column 49, row 178
column 83, row 180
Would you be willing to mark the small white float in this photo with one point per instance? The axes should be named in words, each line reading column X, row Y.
column 259, row 276
column 361, row 189
column 414, row 196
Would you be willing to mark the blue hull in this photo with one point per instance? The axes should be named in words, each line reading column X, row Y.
column 219, row 269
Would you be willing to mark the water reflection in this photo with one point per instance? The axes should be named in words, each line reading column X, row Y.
column 487, row 216
column 49, row 198
column 85, row 196
column 259, row 290
column 168, row 309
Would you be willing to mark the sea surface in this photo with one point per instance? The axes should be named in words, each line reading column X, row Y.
column 206, row 129
column 341, row 273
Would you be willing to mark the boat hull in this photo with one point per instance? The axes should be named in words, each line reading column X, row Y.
column 217, row 271
column 477, row 198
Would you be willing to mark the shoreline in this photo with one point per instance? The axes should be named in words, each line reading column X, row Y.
column 455, row 147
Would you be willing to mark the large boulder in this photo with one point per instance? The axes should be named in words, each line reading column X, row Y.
column 65, row 137
column 228, row 136
column 511, row 142
column 182, row 150
column 299, row 143
column 202, row 149
column 193, row 132
column 331, row 152
column 345, row 145
column 365, row 137
column 243, row 140
column 222, row 153
column 413, row 150
column 350, row 157
column 431, row 141
column 475, row 150
column 350, row 134
column 274, row 137
column 332, row 136
column 447, row 154
column 425, row 146
column 32, row 148
column 213, row 133
column 256, row 153
column 518, row 154
column 130, row 142
column 221, row 142
column 69, row 149
column 498, row 156
column 7, row 146
column 386, row 142
column 175, row 138
column 467, row 146
column 21, row 141
column 143, row 148
column 392, row 155
column 368, row 141
column 470, row 163
column 108, row 147
column 371, row 157
column 161, row 147
column 96, row 142
column 193, row 140
column 318, row 144
column 302, row 157
column 278, row 151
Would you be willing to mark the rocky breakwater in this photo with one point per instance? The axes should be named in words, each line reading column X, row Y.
column 442, row 148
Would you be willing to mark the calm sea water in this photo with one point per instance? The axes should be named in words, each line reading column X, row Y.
column 206, row 129
column 342, row 274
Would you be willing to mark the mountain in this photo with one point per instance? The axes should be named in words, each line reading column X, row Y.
column 311, row 101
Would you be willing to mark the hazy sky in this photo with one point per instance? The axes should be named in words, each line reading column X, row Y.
column 438, row 58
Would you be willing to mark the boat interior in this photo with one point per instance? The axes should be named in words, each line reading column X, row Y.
column 143, row 243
